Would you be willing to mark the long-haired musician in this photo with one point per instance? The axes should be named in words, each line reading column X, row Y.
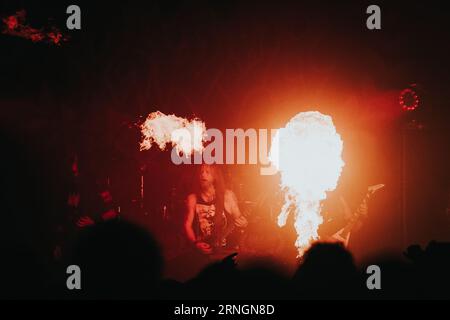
column 212, row 211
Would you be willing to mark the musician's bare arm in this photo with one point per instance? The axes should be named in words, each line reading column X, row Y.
column 231, row 206
column 191, row 201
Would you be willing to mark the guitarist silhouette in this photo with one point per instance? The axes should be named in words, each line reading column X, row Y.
column 351, row 221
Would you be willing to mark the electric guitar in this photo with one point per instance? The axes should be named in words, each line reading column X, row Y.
column 343, row 235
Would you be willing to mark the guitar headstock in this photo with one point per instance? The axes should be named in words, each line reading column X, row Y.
column 374, row 188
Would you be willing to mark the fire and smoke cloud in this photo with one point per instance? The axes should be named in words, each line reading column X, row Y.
column 307, row 153
column 14, row 25
column 187, row 136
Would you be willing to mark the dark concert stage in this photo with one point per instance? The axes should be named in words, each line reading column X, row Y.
column 225, row 150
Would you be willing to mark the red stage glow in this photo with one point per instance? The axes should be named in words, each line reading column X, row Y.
column 11, row 22
column 15, row 26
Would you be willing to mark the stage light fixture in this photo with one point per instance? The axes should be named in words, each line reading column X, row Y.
column 409, row 99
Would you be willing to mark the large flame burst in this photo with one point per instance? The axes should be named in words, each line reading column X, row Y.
column 187, row 136
column 307, row 153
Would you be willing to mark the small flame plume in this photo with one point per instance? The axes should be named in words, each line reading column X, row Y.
column 307, row 153
column 187, row 136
